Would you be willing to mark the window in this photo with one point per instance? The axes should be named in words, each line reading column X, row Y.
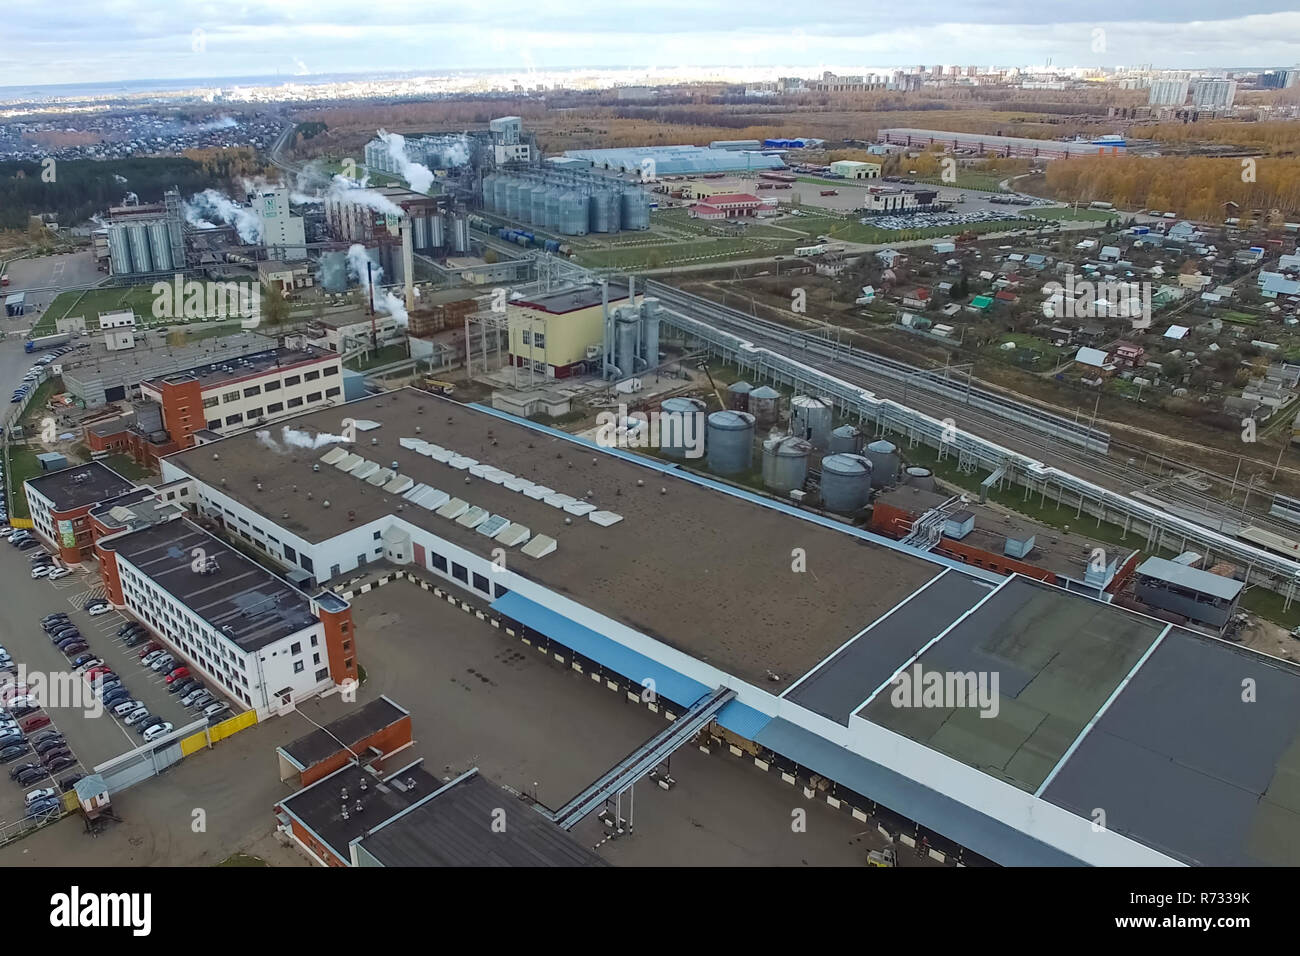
column 315, row 658
column 347, row 645
column 230, row 396
column 254, row 413
column 295, row 402
column 211, row 402
column 311, row 376
column 214, row 423
column 252, row 390
column 332, row 370
column 313, row 397
column 439, row 562
column 296, row 648
column 314, row 641
column 298, row 667
column 527, row 337
column 332, row 392
column 539, row 340
column 377, row 533
column 499, row 591
column 460, row 573
column 274, row 407
column 306, row 563
column 234, row 419
column 322, row 673
column 272, row 386
column 292, row 380
column 291, row 554
column 481, row 584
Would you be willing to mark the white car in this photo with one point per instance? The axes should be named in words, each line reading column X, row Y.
column 99, row 609
column 127, row 708
column 156, row 731
column 152, row 656
column 25, row 700
column 166, row 661
column 137, row 715
column 59, row 573
column 44, row 793
column 213, row 709
column 40, row 571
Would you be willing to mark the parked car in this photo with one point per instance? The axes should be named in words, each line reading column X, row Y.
column 68, row 782
column 125, row 707
column 26, row 544
column 33, row 721
column 40, row 571
column 44, row 809
column 148, row 659
column 183, row 687
column 59, row 573
column 97, row 670
column 13, row 773
column 99, row 609
column 83, row 659
column 134, row 638
column 116, row 696
column 12, row 753
column 202, row 700
column 31, row 775
column 190, row 697
column 46, row 735
column 216, row 709
column 50, row 756
column 148, row 649
column 178, row 674
column 60, row 763
column 134, row 718
column 36, row 796
column 75, row 647
column 12, row 740
column 22, row 702
column 157, row 730
column 53, row 743
column 56, row 616
column 164, row 663
column 61, row 641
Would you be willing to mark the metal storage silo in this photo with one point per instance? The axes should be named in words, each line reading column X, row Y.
column 600, row 218
column 730, row 442
column 141, row 261
column 682, row 427
column 635, row 209
column 460, row 234
column 884, row 461
column 514, row 198
column 489, row 192
column 846, row 482
column 572, row 220
column 650, row 331
column 846, row 440
column 811, row 418
column 738, row 396
column 119, row 250
column 499, row 185
column 420, row 232
column 626, row 323
column 542, row 206
column 785, row 463
column 437, row 232
column 765, row 405
column 160, row 246
column 918, row 477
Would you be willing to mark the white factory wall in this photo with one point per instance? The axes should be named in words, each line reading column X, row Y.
column 222, row 403
column 250, row 676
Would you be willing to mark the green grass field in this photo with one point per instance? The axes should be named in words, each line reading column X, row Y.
column 22, row 465
column 90, row 303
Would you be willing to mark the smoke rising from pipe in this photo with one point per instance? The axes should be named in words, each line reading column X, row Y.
column 297, row 438
column 418, row 176
column 385, row 301
column 210, row 204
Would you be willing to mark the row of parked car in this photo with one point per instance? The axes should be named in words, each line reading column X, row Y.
column 33, row 376
column 193, row 693
column 25, row 731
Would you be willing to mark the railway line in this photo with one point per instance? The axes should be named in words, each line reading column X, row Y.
column 1089, row 453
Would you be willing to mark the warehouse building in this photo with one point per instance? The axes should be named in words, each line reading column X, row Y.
column 1097, row 707
column 653, row 162
column 983, row 143
column 850, row 169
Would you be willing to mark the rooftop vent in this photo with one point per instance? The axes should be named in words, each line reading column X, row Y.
column 215, row 456
column 315, row 467
column 325, row 503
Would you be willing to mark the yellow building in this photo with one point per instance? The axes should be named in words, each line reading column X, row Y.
column 555, row 331
column 851, row 169
column 705, row 190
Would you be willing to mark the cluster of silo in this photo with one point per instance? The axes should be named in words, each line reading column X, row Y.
column 917, row 476
column 729, row 442
column 738, row 396
column 144, row 245
column 846, row 440
column 765, row 406
column 569, row 202
column 811, row 418
column 681, row 426
column 785, row 463
column 846, row 482
column 884, row 460
column 631, row 342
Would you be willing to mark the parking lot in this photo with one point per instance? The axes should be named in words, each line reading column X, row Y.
column 92, row 738
column 45, row 277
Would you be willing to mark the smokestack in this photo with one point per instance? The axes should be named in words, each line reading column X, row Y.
column 370, row 291
column 408, row 262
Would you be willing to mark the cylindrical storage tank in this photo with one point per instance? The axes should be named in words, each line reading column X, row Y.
column 765, row 405
column 636, row 209
column 460, row 234
column 515, row 198
column 846, row 482
column 119, row 250
column 811, row 418
column 499, row 185
column 573, row 216
column 681, row 426
column 600, row 217
column 738, row 396
column 437, row 232
column 538, row 201
column 846, row 440
column 626, row 321
column 785, row 463
column 884, row 462
column 918, row 477
column 489, row 192
column 553, row 206
column 729, row 442
column 420, row 232
column 615, row 200
column 160, row 246
column 650, row 331
column 141, row 261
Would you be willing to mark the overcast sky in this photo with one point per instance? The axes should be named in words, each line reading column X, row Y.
column 83, row 41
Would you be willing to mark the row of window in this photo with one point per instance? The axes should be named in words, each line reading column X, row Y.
column 462, row 574
column 535, row 339
column 289, row 381
column 253, row 414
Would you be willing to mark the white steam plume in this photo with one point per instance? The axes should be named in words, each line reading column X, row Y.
column 210, row 204
column 418, row 176
column 297, row 438
column 385, row 301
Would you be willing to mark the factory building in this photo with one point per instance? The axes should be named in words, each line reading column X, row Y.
column 352, row 329
column 60, row 503
column 558, row 332
column 851, row 169
column 886, row 200
column 147, row 240
column 251, row 391
column 998, row 145
column 1107, row 708
column 355, row 219
column 283, row 234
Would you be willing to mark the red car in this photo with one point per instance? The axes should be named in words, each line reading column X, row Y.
column 97, row 671
column 177, row 674
column 33, row 721
column 149, row 649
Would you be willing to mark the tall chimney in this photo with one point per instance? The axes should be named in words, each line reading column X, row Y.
column 408, row 262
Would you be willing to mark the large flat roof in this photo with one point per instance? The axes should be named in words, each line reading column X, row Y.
column 571, row 300
column 81, row 485
column 240, row 599
column 681, row 566
column 235, row 368
column 454, row 828
column 348, row 731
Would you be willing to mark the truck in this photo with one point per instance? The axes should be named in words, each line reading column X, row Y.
column 830, row 192
column 46, row 341
column 806, row 251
